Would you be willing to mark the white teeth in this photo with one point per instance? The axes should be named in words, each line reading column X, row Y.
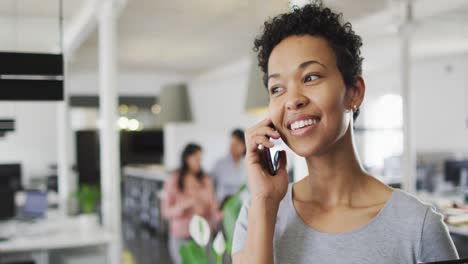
column 303, row 123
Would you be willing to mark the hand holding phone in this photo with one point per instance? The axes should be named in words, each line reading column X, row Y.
column 265, row 158
column 260, row 167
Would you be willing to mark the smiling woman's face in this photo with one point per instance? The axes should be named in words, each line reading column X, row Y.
column 309, row 102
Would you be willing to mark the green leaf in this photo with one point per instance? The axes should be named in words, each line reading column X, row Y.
column 218, row 258
column 231, row 211
column 88, row 196
column 192, row 253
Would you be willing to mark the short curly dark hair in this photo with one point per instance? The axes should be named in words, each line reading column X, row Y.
column 316, row 20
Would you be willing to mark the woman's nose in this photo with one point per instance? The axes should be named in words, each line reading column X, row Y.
column 296, row 101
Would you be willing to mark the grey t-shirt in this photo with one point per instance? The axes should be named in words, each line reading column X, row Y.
column 404, row 231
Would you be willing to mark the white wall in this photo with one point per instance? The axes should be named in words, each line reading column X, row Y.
column 214, row 141
column 29, row 34
column 439, row 100
column 129, row 82
column 218, row 97
column 34, row 142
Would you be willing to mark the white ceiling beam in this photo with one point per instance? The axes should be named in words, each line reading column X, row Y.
column 383, row 53
column 84, row 23
column 80, row 27
column 388, row 20
column 428, row 8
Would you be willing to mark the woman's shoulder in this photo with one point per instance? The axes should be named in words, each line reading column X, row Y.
column 173, row 177
column 406, row 201
column 409, row 209
column 174, row 174
column 206, row 178
column 425, row 225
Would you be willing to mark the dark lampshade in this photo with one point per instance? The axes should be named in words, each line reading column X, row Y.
column 175, row 104
column 257, row 96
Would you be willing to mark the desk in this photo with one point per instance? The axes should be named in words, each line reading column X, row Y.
column 461, row 231
column 52, row 233
column 443, row 202
column 142, row 188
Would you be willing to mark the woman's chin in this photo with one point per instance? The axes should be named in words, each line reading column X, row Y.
column 305, row 150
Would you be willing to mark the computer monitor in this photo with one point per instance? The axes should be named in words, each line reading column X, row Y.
column 136, row 147
column 454, row 169
column 10, row 176
column 87, row 155
column 141, row 147
column 7, row 204
column 35, row 205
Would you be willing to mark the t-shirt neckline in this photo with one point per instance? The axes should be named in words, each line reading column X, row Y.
column 361, row 229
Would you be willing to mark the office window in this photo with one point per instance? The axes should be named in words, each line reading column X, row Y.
column 382, row 136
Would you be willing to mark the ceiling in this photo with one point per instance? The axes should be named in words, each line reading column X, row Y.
column 182, row 36
column 189, row 37
column 186, row 37
column 34, row 8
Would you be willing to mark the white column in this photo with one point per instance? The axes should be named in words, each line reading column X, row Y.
column 63, row 158
column 66, row 178
column 109, row 134
column 409, row 152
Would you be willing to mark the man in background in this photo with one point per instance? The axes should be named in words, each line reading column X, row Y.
column 229, row 171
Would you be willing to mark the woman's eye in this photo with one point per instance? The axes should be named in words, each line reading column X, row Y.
column 275, row 90
column 311, row 78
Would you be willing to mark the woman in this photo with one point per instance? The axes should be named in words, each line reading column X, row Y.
column 188, row 191
column 338, row 213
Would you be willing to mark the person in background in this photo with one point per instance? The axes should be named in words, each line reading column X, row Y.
column 188, row 191
column 229, row 171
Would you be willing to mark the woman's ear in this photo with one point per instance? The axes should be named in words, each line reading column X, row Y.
column 356, row 93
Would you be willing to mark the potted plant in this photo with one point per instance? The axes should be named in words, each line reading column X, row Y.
column 88, row 197
column 195, row 251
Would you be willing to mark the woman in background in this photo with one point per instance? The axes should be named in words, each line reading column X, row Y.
column 188, row 191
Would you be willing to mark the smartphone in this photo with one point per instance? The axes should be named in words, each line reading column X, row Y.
column 268, row 164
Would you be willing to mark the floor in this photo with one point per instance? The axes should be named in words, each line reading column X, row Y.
column 461, row 243
column 149, row 247
column 146, row 246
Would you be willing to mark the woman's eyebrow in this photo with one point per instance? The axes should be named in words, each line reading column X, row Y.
column 301, row 66
column 307, row 63
column 274, row 75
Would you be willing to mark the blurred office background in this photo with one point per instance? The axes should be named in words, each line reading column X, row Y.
column 143, row 78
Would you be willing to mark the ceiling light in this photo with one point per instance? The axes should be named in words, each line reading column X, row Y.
column 123, row 122
column 133, row 109
column 156, row 109
column 123, row 109
column 133, row 124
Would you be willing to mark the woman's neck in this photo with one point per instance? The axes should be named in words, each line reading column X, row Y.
column 336, row 176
